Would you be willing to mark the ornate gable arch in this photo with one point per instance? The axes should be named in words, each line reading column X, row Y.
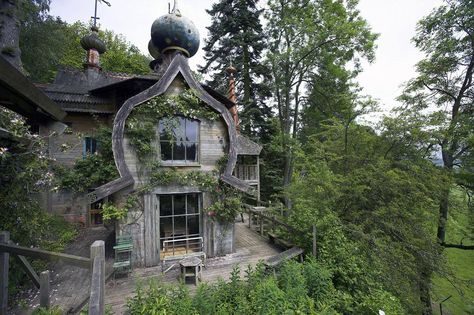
column 178, row 65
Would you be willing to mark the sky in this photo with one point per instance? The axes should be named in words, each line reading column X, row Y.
column 395, row 21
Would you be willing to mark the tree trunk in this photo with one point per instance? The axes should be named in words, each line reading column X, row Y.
column 425, row 297
column 443, row 215
column 10, row 32
column 444, row 199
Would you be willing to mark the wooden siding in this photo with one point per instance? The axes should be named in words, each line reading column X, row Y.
column 84, row 124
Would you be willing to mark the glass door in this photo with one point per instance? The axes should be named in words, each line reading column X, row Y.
column 179, row 223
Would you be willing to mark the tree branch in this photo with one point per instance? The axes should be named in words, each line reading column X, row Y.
column 458, row 246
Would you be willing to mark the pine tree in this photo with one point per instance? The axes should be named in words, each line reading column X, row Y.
column 236, row 36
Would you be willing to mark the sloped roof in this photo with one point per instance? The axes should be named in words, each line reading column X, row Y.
column 20, row 95
column 245, row 146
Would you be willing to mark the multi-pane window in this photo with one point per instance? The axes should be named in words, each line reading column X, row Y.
column 179, row 216
column 89, row 146
column 181, row 142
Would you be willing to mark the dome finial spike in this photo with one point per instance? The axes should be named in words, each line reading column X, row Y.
column 176, row 9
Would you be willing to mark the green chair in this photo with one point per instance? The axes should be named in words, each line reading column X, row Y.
column 123, row 254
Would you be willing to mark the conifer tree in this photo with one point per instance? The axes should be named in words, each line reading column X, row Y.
column 236, row 36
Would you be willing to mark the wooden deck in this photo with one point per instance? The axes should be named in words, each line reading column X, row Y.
column 250, row 248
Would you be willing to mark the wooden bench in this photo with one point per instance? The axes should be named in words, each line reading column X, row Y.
column 178, row 249
column 276, row 260
column 274, row 239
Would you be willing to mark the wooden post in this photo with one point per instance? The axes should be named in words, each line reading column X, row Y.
column 314, row 241
column 261, row 223
column 44, row 290
column 4, row 258
column 96, row 302
column 250, row 218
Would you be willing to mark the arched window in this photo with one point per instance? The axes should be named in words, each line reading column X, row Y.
column 179, row 139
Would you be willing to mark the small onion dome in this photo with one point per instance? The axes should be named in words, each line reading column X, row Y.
column 175, row 32
column 154, row 52
column 92, row 41
column 231, row 70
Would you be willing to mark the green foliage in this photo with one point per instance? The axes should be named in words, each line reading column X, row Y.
column 48, row 42
column 441, row 95
column 94, row 169
column 110, row 211
column 236, row 38
column 56, row 310
column 257, row 293
column 24, row 176
column 225, row 210
column 371, row 206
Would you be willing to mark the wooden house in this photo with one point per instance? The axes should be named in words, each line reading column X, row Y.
column 172, row 213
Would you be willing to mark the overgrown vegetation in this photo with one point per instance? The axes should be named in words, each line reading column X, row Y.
column 92, row 170
column 142, row 122
column 296, row 289
column 25, row 176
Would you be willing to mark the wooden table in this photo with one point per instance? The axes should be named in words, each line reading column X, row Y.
column 191, row 267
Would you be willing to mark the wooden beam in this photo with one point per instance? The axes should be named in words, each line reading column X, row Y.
column 46, row 255
column 97, row 293
column 44, row 290
column 34, row 103
column 29, row 270
column 4, row 257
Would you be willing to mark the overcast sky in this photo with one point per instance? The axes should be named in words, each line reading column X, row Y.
column 395, row 21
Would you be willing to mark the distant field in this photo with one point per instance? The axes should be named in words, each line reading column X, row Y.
column 460, row 263
column 462, row 300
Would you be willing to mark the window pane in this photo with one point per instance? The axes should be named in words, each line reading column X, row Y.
column 191, row 130
column 166, row 151
column 191, row 152
column 193, row 224
column 164, row 134
column 178, row 151
column 192, row 204
column 165, row 205
column 166, row 228
column 180, row 131
column 179, row 204
column 179, row 227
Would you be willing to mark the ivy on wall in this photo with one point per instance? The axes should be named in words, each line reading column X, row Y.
column 141, row 129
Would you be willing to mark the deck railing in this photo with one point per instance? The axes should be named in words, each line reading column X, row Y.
column 247, row 172
column 263, row 219
column 96, row 263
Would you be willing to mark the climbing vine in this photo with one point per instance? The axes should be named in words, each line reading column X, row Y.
column 141, row 131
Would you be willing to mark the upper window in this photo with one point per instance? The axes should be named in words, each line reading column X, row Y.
column 89, row 146
column 179, row 139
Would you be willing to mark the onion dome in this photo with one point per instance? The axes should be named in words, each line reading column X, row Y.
column 154, row 52
column 92, row 41
column 175, row 32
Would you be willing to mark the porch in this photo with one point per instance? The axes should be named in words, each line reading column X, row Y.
column 249, row 249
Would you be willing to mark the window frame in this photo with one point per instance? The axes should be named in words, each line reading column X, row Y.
column 197, row 143
column 88, row 149
column 173, row 216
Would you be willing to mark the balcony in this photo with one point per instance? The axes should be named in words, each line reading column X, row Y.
column 248, row 173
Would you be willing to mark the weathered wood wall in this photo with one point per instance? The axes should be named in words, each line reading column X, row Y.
column 65, row 203
column 144, row 227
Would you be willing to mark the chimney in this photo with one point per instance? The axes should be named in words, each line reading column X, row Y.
column 94, row 47
column 233, row 97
